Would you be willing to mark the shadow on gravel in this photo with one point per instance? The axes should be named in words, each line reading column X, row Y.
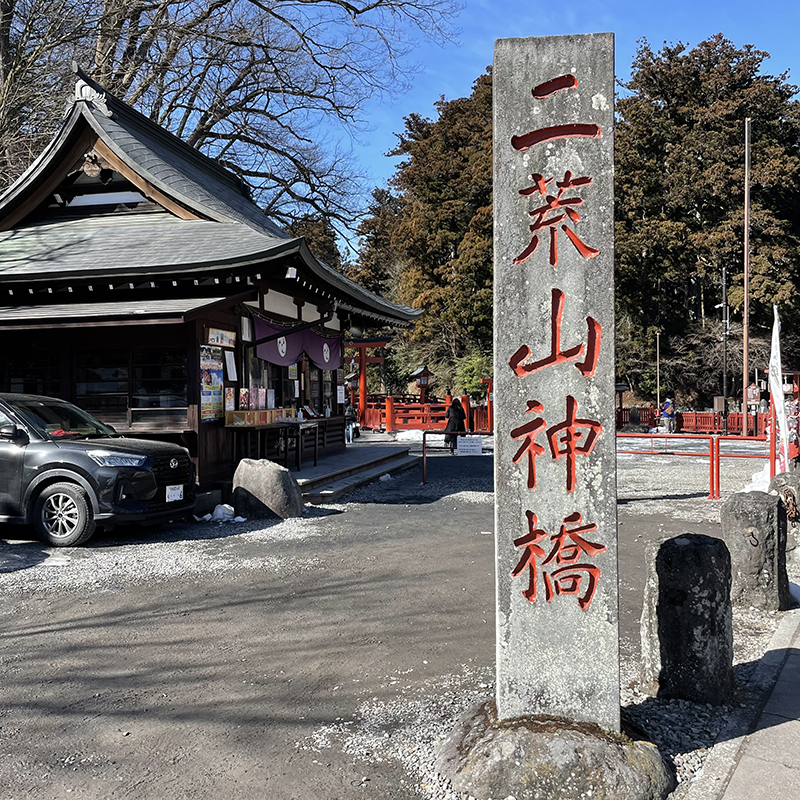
column 446, row 476
column 18, row 555
column 678, row 727
column 687, row 496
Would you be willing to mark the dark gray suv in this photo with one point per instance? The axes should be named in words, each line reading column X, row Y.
column 67, row 473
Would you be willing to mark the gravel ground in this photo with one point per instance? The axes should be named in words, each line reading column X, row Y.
column 684, row 732
column 397, row 716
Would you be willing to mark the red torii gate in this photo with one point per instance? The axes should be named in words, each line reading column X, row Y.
column 363, row 359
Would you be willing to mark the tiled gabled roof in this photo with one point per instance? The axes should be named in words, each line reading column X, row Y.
column 184, row 175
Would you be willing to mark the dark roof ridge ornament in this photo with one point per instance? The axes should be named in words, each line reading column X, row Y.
column 88, row 91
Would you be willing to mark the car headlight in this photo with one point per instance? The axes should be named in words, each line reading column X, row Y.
column 106, row 459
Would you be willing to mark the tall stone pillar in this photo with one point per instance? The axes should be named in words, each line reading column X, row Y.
column 555, row 466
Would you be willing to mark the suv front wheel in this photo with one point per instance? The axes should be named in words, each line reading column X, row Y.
column 62, row 515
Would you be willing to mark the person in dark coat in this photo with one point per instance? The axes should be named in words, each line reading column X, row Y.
column 455, row 422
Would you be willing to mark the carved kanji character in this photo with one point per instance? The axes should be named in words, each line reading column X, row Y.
column 571, row 438
column 557, row 355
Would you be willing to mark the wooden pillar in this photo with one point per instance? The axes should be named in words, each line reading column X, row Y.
column 465, row 406
column 362, row 384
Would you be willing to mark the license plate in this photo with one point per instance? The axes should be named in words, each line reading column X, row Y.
column 174, row 493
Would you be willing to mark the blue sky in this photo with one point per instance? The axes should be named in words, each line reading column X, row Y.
column 450, row 70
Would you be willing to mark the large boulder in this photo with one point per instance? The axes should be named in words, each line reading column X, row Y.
column 754, row 528
column 264, row 490
column 539, row 758
column 686, row 629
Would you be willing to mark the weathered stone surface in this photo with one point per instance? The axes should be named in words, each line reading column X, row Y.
column 546, row 758
column 263, row 489
column 787, row 485
column 555, row 459
column 686, row 630
column 754, row 528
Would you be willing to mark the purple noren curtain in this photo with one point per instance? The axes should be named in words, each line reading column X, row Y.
column 324, row 352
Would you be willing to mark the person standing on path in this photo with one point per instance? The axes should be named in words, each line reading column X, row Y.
column 455, row 422
column 350, row 417
column 668, row 412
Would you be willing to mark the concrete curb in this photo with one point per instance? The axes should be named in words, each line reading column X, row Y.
column 718, row 769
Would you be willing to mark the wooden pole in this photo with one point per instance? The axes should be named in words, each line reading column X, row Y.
column 746, row 319
column 362, row 384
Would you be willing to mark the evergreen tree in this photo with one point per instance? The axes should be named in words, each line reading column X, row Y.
column 320, row 235
column 680, row 195
column 428, row 243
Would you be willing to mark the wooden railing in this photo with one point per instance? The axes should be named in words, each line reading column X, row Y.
column 397, row 414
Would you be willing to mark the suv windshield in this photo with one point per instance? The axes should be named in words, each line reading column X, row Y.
column 59, row 420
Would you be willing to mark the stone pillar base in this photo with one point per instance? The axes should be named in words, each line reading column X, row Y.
column 541, row 758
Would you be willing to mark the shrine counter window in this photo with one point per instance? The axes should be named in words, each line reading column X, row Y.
column 34, row 372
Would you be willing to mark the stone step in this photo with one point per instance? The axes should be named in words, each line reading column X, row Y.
column 332, row 491
column 367, row 463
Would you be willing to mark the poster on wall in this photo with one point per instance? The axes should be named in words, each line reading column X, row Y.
column 262, row 398
column 230, row 399
column 296, row 388
column 211, row 401
column 340, row 394
column 293, row 372
column 244, row 399
column 221, row 337
column 230, row 365
column 270, row 398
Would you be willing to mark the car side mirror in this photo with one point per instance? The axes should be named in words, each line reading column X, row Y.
column 9, row 431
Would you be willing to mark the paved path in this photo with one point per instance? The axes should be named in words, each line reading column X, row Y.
column 769, row 760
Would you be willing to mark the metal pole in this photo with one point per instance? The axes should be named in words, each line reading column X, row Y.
column 746, row 320
column 658, row 370
column 724, row 350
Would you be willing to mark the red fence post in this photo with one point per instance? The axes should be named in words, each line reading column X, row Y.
column 390, row 415
column 712, row 468
column 465, row 406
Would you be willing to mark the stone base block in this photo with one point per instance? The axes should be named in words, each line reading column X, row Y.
column 540, row 758
column 264, row 490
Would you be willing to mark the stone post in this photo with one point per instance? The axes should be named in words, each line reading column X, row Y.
column 754, row 527
column 555, row 467
column 686, row 628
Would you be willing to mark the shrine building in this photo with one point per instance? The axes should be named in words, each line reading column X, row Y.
column 139, row 281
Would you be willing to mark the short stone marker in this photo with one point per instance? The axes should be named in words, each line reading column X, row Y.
column 264, row 490
column 686, row 630
column 754, row 528
column 787, row 486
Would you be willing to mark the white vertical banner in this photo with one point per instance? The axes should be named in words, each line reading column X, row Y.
column 776, row 391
